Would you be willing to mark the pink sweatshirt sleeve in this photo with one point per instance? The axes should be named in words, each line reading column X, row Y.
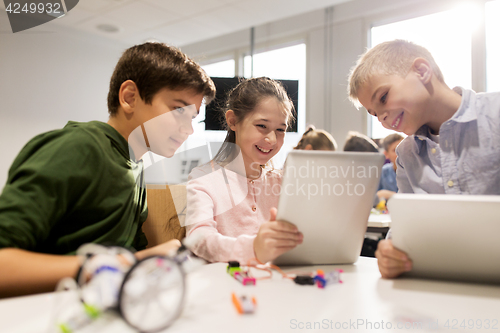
column 211, row 208
column 215, row 247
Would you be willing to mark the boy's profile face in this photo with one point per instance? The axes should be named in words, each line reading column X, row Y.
column 167, row 121
column 398, row 103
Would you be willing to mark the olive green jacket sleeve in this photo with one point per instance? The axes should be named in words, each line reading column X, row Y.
column 73, row 186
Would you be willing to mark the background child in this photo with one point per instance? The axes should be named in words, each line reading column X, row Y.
column 79, row 184
column 453, row 143
column 359, row 142
column 231, row 201
column 388, row 185
column 316, row 139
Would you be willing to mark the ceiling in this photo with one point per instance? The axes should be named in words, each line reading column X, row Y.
column 180, row 22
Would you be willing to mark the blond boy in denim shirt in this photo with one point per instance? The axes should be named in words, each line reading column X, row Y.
column 453, row 143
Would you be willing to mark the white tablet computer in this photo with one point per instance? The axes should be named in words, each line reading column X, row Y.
column 452, row 237
column 328, row 196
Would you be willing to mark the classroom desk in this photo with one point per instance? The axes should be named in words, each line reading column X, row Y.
column 363, row 299
column 379, row 223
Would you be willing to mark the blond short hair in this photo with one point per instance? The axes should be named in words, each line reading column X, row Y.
column 390, row 58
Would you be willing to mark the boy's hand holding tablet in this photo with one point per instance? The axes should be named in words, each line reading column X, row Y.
column 391, row 261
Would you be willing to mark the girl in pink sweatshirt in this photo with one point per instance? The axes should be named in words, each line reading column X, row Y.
column 231, row 201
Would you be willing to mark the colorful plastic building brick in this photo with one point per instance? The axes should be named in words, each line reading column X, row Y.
column 234, row 269
column 243, row 304
column 323, row 280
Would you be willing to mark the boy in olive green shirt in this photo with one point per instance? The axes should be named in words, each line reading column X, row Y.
column 80, row 184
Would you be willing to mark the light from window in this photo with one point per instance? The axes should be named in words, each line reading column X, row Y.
column 447, row 35
column 492, row 45
column 200, row 136
column 288, row 63
column 220, row 69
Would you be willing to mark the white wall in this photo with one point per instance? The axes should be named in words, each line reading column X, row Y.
column 49, row 76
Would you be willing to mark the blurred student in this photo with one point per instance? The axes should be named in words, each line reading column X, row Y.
column 388, row 186
column 453, row 143
column 316, row 139
column 359, row 142
column 81, row 184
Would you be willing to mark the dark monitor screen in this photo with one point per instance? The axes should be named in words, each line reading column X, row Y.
column 226, row 84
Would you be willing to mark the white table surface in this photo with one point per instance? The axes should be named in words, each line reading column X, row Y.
column 379, row 220
column 286, row 307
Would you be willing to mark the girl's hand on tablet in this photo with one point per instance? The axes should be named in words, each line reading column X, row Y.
column 275, row 238
column 391, row 261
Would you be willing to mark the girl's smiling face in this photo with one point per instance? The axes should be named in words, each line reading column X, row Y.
column 260, row 134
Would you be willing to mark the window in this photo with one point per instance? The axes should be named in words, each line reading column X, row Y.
column 447, row 35
column 220, row 69
column 492, row 9
column 200, row 137
column 195, row 150
column 288, row 63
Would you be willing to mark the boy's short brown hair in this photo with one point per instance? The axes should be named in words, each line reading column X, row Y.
column 359, row 142
column 154, row 66
column 319, row 140
column 390, row 139
column 388, row 58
